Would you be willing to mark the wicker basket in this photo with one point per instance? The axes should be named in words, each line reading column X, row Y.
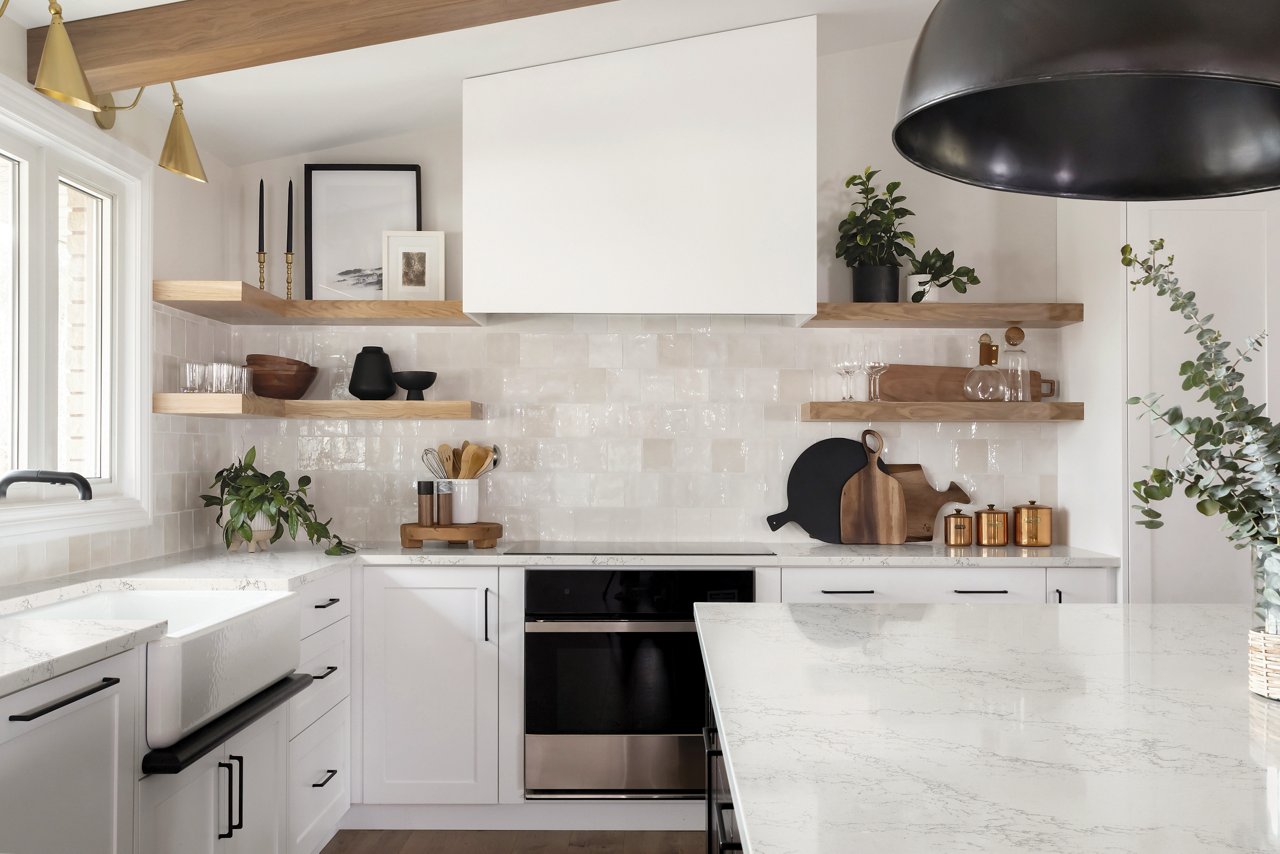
column 1264, row 664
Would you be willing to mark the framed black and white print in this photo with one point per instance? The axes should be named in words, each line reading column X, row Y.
column 413, row 265
column 348, row 207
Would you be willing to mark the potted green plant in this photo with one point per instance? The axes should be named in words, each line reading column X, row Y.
column 255, row 503
column 872, row 240
column 935, row 270
column 1232, row 463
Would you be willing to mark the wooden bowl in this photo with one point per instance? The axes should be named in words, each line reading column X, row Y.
column 273, row 361
column 283, row 384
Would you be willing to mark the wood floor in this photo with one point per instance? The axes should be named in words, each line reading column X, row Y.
column 514, row 842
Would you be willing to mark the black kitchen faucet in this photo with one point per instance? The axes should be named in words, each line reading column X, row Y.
column 33, row 476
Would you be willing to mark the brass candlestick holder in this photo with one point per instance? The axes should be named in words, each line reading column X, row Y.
column 262, row 271
column 288, row 275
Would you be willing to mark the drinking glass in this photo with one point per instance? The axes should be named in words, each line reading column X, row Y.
column 192, row 377
column 874, row 363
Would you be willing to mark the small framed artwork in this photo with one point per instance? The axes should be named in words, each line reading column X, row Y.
column 413, row 264
column 347, row 209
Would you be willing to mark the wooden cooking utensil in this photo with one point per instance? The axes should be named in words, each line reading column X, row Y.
column 446, row 459
column 457, row 462
column 473, row 460
column 873, row 509
column 923, row 501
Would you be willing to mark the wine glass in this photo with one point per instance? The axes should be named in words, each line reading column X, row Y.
column 848, row 365
column 875, row 363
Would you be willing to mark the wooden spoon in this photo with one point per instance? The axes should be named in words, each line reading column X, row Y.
column 457, row 462
column 446, row 459
column 474, row 458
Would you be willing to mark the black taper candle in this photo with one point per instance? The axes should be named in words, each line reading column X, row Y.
column 288, row 232
column 261, row 217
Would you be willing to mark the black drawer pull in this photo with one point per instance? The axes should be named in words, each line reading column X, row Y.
column 328, row 604
column 239, row 825
column 709, row 736
column 328, row 671
column 983, row 592
column 723, row 834
column 848, row 592
column 106, row 683
column 230, row 797
column 1059, row 592
column 329, row 775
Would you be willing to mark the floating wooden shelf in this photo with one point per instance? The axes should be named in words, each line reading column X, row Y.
column 839, row 410
column 245, row 406
column 946, row 315
column 245, row 305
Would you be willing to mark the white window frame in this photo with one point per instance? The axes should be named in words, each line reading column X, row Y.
column 56, row 142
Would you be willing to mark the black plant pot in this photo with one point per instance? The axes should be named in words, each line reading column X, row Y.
column 371, row 375
column 875, row 284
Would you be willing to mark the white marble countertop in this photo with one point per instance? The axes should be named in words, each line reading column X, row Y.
column 996, row 728
column 32, row 651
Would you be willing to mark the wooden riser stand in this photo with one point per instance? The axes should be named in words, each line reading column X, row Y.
column 483, row 535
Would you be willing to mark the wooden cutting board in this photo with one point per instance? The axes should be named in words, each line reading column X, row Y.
column 910, row 383
column 873, row 508
column 922, row 500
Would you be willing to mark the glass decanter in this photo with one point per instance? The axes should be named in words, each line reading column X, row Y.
column 986, row 382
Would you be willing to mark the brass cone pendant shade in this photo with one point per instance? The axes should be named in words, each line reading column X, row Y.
column 60, row 75
column 179, row 153
column 1097, row 99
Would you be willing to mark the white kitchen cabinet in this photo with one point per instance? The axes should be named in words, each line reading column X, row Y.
column 1084, row 586
column 430, row 651
column 924, row 585
column 319, row 780
column 66, row 766
column 231, row 801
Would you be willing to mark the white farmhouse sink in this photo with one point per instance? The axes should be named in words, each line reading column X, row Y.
column 221, row 648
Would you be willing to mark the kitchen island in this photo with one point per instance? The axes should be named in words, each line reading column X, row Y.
column 1089, row 728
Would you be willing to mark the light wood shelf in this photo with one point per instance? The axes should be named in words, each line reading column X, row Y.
column 936, row 411
column 243, row 304
column 946, row 315
column 247, row 406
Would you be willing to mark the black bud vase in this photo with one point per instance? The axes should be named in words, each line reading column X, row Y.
column 371, row 375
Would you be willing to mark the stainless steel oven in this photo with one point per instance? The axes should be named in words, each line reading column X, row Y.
column 613, row 679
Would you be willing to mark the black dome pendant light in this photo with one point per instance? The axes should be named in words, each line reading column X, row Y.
column 1098, row 99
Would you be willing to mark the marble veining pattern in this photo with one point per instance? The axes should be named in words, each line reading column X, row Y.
column 32, row 651
column 1088, row 728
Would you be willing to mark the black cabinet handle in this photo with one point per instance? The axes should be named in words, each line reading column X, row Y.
column 1059, row 592
column 231, row 829
column 62, row 702
column 709, row 736
column 239, row 760
column 486, row 615
column 328, row 604
column 848, row 592
column 723, row 834
column 328, row 671
column 329, row 775
column 982, row 592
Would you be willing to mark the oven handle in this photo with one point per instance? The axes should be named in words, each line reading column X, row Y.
column 610, row 626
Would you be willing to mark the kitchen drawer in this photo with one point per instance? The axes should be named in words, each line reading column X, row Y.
column 326, row 655
column 912, row 586
column 324, row 602
column 1084, row 586
column 319, row 780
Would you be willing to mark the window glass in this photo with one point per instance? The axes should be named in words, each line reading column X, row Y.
column 82, row 283
column 9, row 222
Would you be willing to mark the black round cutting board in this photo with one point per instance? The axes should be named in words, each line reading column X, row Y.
column 813, row 488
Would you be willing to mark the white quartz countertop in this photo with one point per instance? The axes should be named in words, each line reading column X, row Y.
column 994, row 728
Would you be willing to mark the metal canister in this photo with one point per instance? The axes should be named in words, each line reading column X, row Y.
column 959, row 528
column 993, row 526
column 426, row 503
column 1033, row 525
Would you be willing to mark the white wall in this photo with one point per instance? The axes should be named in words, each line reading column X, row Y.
column 1009, row 239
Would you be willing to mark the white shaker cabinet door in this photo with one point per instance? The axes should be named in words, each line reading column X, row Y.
column 66, row 756
column 430, row 685
column 1087, row 586
column 188, row 812
column 259, row 757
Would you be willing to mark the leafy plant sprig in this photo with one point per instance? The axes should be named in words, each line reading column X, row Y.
column 244, row 492
column 942, row 271
column 871, row 235
column 1232, row 461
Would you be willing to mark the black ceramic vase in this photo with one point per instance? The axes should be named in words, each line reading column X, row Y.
column 371, row 375
column 875, row 284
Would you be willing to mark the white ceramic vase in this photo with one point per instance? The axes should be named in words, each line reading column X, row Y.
column 913, row 284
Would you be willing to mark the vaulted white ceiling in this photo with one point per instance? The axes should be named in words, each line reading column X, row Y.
column 326, row 101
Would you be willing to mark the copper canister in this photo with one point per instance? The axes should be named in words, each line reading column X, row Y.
column 959, row 528
column 1033, row 525
column 993, row 526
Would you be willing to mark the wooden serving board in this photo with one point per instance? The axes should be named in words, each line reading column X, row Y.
column 919, row 383
column 484, row 535
column 923, row 501
column 872, row 507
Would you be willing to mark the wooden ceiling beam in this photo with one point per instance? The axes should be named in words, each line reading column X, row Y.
column 177, row 41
